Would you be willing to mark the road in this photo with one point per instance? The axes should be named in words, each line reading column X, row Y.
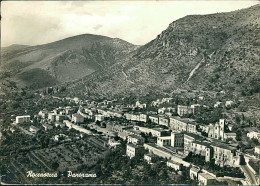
column 249, row 174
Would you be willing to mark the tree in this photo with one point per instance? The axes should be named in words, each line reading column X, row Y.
column 55, row 165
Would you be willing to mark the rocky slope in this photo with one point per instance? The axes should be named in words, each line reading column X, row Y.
column 204, row 52
column 61, row 61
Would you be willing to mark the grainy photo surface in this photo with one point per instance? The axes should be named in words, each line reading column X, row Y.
column 130, row 92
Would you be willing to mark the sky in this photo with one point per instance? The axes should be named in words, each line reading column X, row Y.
column 138, row 22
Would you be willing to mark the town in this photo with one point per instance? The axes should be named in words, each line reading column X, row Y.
column 180, row 139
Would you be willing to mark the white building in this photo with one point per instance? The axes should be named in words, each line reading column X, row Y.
column 164, row 141
column 52, row 116
column 99, row 117
column 194, row 171
column 77, row 118
column 47, row 126
column 43, row 113
column 33, row 129
column 205, row 179
column 257, row 150
column 59, row 124
column 149, row 158
column 175, row 165
column 230, row 136
column 137, row 140
column 253, row 134
column 134, row 150
column 22, row 119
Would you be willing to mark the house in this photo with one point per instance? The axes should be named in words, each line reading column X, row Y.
column 156, row 132
column 154, row 119
column 201, row 148
column 205, row 179
column 163, row 121
column 188, row 138
column 47, row 126
column 194, row 171
column 177, row 139
column 99, row 117
column 253, row 135
column 177, row 124
column 33, row 129
column 52, row 116
column 134, row 139
column 77, row 118
column 59, row 124
column 149, row 157
column 134, row 150
column 194, row 108
column 257, row 150
column 161, row 110
column 229, row 103
column 230, row 136
column 43, row 113
column 60, row 117
column 163, row 141
column 224, row 154
column 175, row 165
column 22, row 119
column 143, row 117
column 113, row 143
column 183, row 110
column 218, row 104
column 139, row 105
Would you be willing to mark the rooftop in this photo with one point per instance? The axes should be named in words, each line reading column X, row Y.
column 207, row 176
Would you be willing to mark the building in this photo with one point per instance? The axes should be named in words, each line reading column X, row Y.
column 224, row 154
column 194, row 172
column 77, row 118
column 149, row 158
column 205, row 179
column 139, row 105
column 184, row 110
column 143, row 117
column 59, row 124
column 156, row 132
column 194, row 108
column 215, row 131
column 47, row 126
column 164, row 141
column 229, row 103
column 177, row 124
column 43, row 114
column 60, row 117
column 134, row 139
column 99, row 117
column 231, row 136
column 177, row 139
column 163, row 121
column 218, row 104
column 257, row 150
column 201, row 148
column 188, row 138
column 175, row 165
column 154, row 119
column 33, row 129
column 253, row 135
column 22, row 119
column 51, row 116
column 134, row 150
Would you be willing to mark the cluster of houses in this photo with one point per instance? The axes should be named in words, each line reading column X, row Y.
column 176, row 137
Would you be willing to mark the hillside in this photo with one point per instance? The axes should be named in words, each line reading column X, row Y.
column 204, row 52
column 61, row 61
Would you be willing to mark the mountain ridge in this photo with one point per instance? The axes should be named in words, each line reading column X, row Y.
column 217, row 44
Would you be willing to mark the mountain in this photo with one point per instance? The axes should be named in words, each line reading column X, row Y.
column 61, row 61
column 203, row 52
